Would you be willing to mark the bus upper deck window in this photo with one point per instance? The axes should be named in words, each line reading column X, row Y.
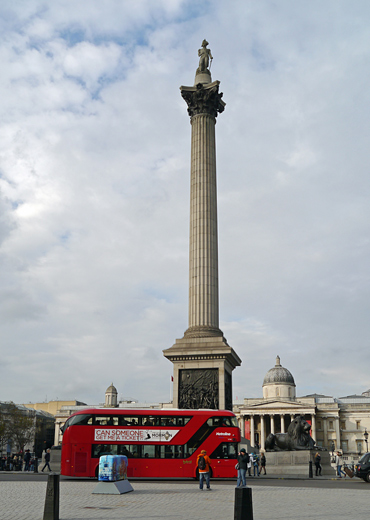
column 80, row 419
column 109, row 420
column 128, row 421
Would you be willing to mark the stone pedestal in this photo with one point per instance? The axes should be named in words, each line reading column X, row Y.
column 202, row 372
column 118, row 487
column 296, row 463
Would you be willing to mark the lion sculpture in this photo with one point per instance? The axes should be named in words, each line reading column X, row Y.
column 297, row 437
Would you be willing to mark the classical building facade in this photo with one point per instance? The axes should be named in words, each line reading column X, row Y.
column 336, row 423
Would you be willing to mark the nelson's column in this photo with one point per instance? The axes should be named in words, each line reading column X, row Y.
column 203, row 360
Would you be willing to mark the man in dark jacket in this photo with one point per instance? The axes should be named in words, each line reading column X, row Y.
column 243, row 459
column 27, row 458
column 47, row 460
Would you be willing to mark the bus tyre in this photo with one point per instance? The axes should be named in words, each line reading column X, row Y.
column 97, row 472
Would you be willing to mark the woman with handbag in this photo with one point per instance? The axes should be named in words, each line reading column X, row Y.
column 241, row 466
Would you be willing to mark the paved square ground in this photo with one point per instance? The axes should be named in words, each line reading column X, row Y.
column 182, row 501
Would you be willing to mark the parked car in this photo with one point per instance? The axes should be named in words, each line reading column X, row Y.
column 362, row 468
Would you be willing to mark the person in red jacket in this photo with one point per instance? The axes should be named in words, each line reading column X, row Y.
column 204, row 464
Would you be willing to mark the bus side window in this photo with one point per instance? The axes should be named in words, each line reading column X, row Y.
column 110, row 420
column 122, row 450
column 151, row 421
column 128, row 421
column 168, row 452
column 226, row 450
column 179, row 452
column 149, row 451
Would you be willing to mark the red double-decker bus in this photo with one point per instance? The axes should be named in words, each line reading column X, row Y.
column 158, row 443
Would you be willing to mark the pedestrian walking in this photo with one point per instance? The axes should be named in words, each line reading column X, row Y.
column 47, row 460
column 317, row 464
column 27, row 459
column 15, row 463
column 263, row 464
column 242, row 465
column 204, row 466
column 339, row 463
column 255, row 464
column 249, row 466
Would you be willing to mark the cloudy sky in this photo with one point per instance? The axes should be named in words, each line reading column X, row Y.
column 94, row 192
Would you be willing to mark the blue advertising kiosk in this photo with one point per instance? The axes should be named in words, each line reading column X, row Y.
column 113, row 475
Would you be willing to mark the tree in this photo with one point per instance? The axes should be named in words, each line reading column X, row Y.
column 20, row 425
column 3, row 430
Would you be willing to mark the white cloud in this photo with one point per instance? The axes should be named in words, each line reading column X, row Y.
column 94, row 186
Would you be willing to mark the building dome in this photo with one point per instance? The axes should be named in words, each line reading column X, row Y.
column 111, row 396
column 111, row 389
column 279, row 382
column 278, row 374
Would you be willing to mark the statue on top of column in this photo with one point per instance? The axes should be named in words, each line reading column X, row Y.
column 204, row 56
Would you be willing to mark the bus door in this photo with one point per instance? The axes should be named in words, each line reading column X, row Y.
column 81, row 457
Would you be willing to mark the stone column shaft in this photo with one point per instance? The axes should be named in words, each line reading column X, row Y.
column 262, row 443
column 337, row 433
column 242, row 426
column 272, row 424
column 203, row 255
column 313, row 426
column 326, row 440
column 252, row 431
column 282, row 424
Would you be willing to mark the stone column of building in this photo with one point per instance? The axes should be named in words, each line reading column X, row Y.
column 242, row 426
column 203, row 360
column 252, row 431
column 337, row 433
column 272, row 423
column 282, row 424
column 325, row 424
column 262, row 432
column 313, row 426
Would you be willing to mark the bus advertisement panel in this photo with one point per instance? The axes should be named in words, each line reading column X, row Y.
column 159, row 443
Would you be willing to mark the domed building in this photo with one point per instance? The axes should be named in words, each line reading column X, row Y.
column 336, row 423
column 111, row 395
column 276, row 410
column 278, row 383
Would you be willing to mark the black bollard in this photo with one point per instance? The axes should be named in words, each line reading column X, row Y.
column 36, row 465
column 243, row 507
column 310, row 472
column 51, row 510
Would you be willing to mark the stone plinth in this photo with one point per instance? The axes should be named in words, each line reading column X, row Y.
column 202, row 372
column 296, row 463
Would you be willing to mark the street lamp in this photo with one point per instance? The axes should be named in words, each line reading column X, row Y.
column 366, row 435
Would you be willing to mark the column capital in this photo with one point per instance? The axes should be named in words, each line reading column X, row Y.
column 203, row 99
